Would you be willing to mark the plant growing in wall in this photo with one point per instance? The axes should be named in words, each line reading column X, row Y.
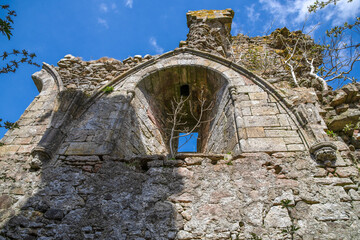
column 290, row 230
column 349, row 129
column 331, row 133
column 255, row 237
column 108, row 89
column 8, row 125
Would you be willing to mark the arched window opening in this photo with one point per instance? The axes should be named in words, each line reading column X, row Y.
column 184, row 101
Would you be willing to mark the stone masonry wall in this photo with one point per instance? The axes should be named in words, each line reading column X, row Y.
column 191, row 198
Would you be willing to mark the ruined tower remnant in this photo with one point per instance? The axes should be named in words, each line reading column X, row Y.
column 91, row 159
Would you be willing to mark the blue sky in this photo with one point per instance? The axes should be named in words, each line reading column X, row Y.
column 92, row 29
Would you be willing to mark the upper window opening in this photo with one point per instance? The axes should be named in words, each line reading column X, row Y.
column 187, row 143
column 184, row 90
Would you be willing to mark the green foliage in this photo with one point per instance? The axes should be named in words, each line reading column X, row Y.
column 349, row 128
column 321, row 4
column 255, row 237
column 330, row 133
column 285, row 203
column 18, row 57
column 290, row 230
column 339, row 56
column 15, row 57
column 108, row 89
column 6, row 23
column 253, row 57
column 8, row 125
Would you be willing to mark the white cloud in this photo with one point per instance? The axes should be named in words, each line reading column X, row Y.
column 276, row 9
column 103, row 22
column 104, row 8
column 235, row 28
column 252, row 14
column 157, row 48
column 129, row 3
column 345, row 11
column 295, row 12
column 113, row 6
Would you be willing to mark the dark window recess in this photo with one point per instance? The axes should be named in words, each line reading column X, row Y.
column 184, row 90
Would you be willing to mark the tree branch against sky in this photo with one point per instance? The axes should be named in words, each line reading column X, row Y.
column 340, row 48
column 333, row 24
column 10, row 60
column 178, row 125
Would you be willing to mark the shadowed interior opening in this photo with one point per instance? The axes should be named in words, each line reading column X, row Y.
column 184, row 90
column 184, row 99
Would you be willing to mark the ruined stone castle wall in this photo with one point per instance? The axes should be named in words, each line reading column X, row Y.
column 91, row 157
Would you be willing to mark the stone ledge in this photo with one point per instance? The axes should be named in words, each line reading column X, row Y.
column 334, row 181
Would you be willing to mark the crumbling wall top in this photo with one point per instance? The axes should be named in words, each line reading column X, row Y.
column 224, row 16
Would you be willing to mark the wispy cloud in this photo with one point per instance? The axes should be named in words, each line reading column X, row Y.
column 295, row 12
column 104, row 8
column 157, row 48
column 344, row 11
column 252, row 14
column 129, row 3
column 103, row 22
column 235, row 28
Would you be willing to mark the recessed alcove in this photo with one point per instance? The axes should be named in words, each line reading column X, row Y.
column 165, row 88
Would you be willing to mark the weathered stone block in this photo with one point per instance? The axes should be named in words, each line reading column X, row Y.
column 23, row 141
column 261, row 121
column 277, row 217
column 5, row 201
column 26, row 148
column 263, row 145
column 334, row 181
column 280, row 133
column 331, row 211
column 246, row 111
column 264, row 110
column 354, row 195
column 249, row 89
column 258, row 96
column 8, row 149
column 87, row 148
column 345, row 172
column 82, row 158
column 295, row 147
column 255, row 132
column 284, row 119
column 193, row 161
column 54, row 214
column 292, row 140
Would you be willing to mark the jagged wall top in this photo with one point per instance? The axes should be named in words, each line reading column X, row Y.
column 223, row 16
column 209, row 30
